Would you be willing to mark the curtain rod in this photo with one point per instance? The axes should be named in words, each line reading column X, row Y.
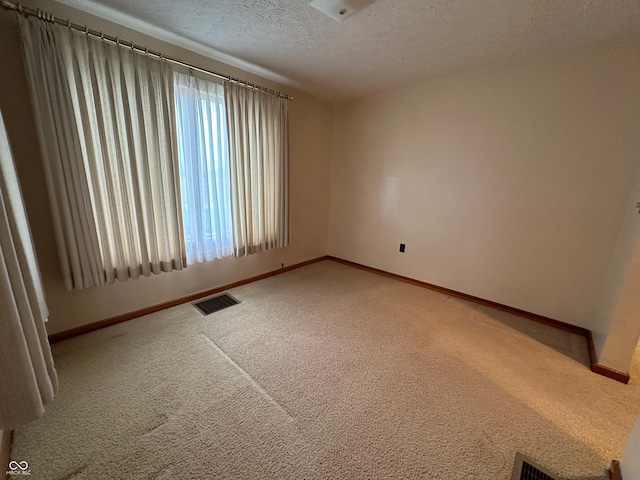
column 48, row 17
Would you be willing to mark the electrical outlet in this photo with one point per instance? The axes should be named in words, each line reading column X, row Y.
column 402, row 247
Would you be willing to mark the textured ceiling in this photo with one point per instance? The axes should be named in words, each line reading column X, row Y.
column 389, row 43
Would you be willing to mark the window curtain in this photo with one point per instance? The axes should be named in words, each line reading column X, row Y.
column 106, row 129
column 204, row 168
column 258, row 154
column 27, row 376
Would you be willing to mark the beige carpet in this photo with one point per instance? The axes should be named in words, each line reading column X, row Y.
column 327, row 372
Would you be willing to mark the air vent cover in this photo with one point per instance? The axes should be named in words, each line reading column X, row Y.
column 525, row 469
column 215, row 304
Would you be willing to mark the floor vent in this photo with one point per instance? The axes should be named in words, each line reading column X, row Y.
column 525, row 469
column 215, row 304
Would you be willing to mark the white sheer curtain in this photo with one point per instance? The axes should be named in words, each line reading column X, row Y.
column 204, row 168
column 28, row 377
column 106, row 128
column 258, row 152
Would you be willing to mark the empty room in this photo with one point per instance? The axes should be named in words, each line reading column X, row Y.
column 326, row 239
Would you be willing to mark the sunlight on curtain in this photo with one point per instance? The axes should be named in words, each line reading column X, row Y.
column 106, row 127
column 204, row 168
column 258, row 153
column 28, row 377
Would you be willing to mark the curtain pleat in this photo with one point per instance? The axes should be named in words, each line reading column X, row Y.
column 258, row 154
column 76, row 233
column 106, row 128
column 27, row 376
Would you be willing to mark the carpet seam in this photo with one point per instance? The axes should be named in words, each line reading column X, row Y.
column 248, row 377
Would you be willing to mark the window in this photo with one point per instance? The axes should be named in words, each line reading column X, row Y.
column 233, row 181
column 203, row 157
column 110, row 142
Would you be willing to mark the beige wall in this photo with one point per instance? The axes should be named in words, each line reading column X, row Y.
column 617, row 328
column 508, row 182
column 310, row 151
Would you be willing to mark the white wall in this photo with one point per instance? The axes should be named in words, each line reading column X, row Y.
column 508, row 182
column 310, row 152
column 630, row 462
column 617, row 328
